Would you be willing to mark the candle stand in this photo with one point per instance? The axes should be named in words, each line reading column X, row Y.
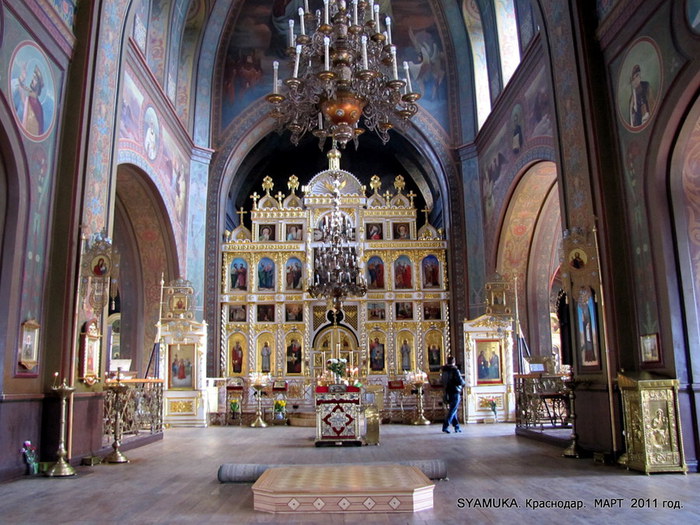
column 119, row 390
column 62, row 468
column 259, row 422
column 420, row 417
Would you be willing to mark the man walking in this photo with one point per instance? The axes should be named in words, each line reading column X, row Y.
column 453, row 382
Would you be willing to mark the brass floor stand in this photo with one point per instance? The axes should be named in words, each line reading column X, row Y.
column 116, row 455
column 259, row 422
column 420, row 417
column 62, row 468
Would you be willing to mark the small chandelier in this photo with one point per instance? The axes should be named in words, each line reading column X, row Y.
column 344, row 68
column 337, row 274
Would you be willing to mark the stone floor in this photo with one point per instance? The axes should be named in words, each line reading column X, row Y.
column 494, row 477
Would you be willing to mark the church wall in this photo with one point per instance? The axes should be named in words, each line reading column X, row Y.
column 517, row 135
column 35, row 46
column 20, row 420
column 36, row 118
column 151, row 137
column 657, row 48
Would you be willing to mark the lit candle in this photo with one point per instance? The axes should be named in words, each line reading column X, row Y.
column 326, row 48
column 408, row 76
column 325, row 12
column 296, row 61
column 387, row 20
column 275, row 67
column 291, row 32
column 364, row 53
column 301, row 21
column 393, row 63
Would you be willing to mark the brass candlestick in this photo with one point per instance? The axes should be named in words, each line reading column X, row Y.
column 572, row 450
column 259, row 422
column 420, row 418
column 116, row 455
column 62, row 468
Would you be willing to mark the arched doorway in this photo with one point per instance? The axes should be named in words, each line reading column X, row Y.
column 528, row 250
column 144, row 238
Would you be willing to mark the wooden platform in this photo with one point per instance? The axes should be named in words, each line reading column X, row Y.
column 343, row 489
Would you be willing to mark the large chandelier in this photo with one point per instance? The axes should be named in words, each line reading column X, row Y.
column 337, row 274
column 344, row 68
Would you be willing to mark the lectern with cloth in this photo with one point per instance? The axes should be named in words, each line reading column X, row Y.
column 338, row 413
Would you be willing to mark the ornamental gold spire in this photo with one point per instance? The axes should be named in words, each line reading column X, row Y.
column 267, row 184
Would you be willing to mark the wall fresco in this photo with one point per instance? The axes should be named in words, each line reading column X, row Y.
column 102, row 117
column 658, row 63
column 157, row 37
column 66, row 10
column 30, row 86
column 640, row 81
column 691, row 190
column 143, row 132
column 692, row 13
column 33, row 91
column 528, row 126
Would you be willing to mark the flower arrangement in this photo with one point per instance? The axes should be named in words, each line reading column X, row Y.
column 491, row 403
column 31, row 457
column 337, row 366
column 280, row 405
column 235, row 406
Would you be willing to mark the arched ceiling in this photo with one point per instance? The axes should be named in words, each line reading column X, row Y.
column 250, row 41
column 275, row 156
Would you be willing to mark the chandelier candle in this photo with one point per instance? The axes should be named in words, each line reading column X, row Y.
column 301, row 21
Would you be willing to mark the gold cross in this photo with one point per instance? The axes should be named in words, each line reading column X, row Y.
column 242, row 212
column 411, row 195
column 255, row 198
column 426, row 211
column 280, row 197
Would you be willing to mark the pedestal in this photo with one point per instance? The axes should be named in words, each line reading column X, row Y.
column 652, row 424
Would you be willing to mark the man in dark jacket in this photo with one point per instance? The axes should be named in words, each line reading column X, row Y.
column 453, row 382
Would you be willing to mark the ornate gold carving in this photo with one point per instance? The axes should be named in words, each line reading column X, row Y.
column 652, row 428
column 268, row 184
column 182, row 407
column 293, row 183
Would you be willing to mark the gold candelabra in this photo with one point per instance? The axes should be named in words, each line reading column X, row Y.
column 259, row 381
column 119, row 388
column 62, row 468
column 420, row 417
